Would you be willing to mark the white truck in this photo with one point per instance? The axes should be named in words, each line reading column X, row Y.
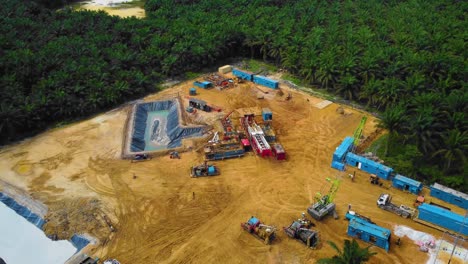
column 385, row 203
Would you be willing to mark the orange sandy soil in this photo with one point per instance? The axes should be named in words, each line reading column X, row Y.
column 77, row 172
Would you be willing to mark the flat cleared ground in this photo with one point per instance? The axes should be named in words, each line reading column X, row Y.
column 164, row 216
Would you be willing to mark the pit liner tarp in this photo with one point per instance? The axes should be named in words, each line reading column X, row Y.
column 22, row 210
column 77, row 240
column 173, row 129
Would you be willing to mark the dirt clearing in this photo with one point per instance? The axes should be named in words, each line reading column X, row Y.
column 164, row 216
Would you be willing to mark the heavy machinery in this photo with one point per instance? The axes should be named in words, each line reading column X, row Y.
column 385, row 203
column 358, row 132
column 298, row 231
column 204, row 170
column 375, row 180
column 324, row 203
column 259, row 230
column 174, row 155
column 305, row 222
column 141, row 157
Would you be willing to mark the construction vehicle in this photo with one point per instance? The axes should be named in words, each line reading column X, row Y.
column 358, row 132
column 385, row 203
column 141, row 157
column 174, row 155
column 204, row 170
column 305, row 222
column 324, row 203
column 298, row 231
column 259, row 230
column 375, row 180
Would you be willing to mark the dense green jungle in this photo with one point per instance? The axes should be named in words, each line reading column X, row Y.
column 405, row 60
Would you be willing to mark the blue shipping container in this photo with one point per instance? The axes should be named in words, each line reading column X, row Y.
column 243, row 75
column 374, row 234
column 341, row 151
column 449, row 195
column 444, row 218
column 406, row 184
column 369, row 166
column 338, row 165
column 262, row 80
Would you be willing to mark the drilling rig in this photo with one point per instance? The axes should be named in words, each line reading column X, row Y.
column 324, row 203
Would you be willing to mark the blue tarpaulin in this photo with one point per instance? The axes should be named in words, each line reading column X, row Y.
column 174, row 131
column 79, row 241
column 22, row 210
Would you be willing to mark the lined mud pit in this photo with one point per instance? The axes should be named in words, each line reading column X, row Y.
column 161, row 215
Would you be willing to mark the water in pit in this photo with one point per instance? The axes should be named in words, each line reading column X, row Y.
column 122, row 8
column 155, row 133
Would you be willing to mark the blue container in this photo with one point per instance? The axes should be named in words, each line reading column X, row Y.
column 203, row 85
column 341, row 151
column 374, row 234
column 225, row 154
column 369, row 166
column 262, row 80
column 338, row 165
column 267, row 114
column 243, row 75
column 449, row 195
column 406, row 184
column 444, row 218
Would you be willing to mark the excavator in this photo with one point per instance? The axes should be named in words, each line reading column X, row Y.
column 324, row 203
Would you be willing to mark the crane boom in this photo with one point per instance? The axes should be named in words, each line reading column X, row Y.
column 358, row 131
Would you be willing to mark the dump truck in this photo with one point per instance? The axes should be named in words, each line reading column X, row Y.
column 204, row 170
column 263, row 232
column 298, row 231
column 385, row 203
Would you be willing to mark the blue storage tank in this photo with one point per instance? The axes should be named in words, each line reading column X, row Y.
column 341, row 151
column 449, row 195
column 444, row 218
column 406, row 184
column 262, row 80
column 243, row 75
column 338, row 165
column 267, row 114
column 366, row 231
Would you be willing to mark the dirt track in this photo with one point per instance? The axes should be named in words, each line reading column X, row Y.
column 164, row 216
